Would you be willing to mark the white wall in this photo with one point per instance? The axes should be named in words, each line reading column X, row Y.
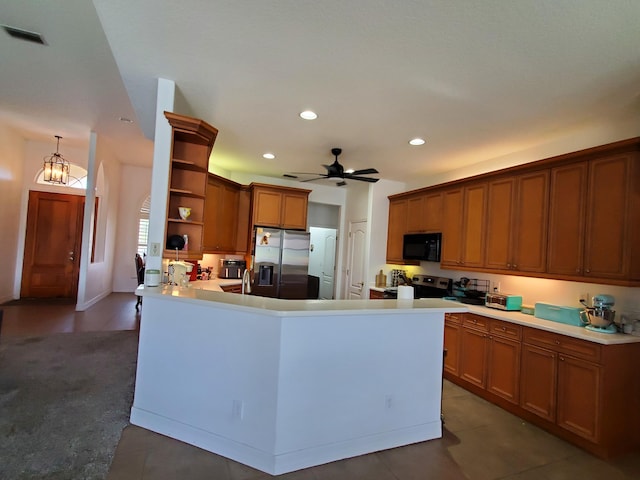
column 135, row 187
column 11, row 179
column 580, row 138
column 99, row 273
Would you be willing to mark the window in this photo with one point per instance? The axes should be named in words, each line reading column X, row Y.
column 77, row 177
column 143, row 227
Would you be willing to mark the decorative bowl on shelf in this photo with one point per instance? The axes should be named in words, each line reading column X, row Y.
column 185, row 212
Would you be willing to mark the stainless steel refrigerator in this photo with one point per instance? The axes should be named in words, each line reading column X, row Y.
column 281, row 263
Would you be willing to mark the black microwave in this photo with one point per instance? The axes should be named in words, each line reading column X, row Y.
column 422, row 246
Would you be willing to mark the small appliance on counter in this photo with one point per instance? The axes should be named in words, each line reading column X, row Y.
column 471, row 290
column 599, row 317
column 231, row 268
column 504, row 301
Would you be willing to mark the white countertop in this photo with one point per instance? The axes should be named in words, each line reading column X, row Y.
column 555, row 327
column 204, row 291
column 209, row 290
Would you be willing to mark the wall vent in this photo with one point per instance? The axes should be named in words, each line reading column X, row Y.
column 25, row 35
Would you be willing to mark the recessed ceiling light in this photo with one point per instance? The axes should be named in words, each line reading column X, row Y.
column 308, row 115
column 416, row 141
column 269, row 156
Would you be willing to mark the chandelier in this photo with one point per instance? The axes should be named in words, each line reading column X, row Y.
column 56, row 168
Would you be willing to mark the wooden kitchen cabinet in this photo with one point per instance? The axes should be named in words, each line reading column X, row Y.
column 396, row 229
column 612, row 232
column 594, row 219
column 222, row 216
column 376, row 295
column 516, row 224
column 463, row 231
column 191, row 143
column 279, row 207
column 474, row 349
column 424, row 212
column 567, row 213
column 561, row 381
column 490, row 356
column 452, row 339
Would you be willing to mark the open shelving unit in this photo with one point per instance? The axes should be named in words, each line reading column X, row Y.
column 191, row 145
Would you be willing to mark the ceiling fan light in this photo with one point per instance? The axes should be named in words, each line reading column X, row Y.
column 268, row 156
column 308, row 115
column 416, row 141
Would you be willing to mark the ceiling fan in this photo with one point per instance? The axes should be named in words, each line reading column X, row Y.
column 335, row 170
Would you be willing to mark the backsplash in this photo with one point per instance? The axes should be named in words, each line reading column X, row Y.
column 557, row 292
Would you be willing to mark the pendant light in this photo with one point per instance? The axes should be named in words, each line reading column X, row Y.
column 56, row 168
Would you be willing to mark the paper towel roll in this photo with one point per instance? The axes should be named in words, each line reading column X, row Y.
column 405, row 292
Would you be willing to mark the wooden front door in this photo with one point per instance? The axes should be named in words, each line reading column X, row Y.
column 52, row 245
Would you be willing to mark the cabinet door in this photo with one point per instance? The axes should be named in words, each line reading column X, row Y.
column 294, row 211
column 267, row 206
column 212, row 219
column 433, row 212
column 538, row 377
column 452, row 209
column 452, row 338
column 416, row 221
column 499, row 223
column 578, row 397
column 473, row 357
column 475, row 198
column 504, row 368
column 396, row 229
column 530, row 219
column 609, row 190
column 567, row 205
column 229, row 219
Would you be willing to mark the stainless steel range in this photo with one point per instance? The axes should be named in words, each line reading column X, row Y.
column 425, row 286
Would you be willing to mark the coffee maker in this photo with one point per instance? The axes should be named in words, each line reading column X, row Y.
column 599, row 317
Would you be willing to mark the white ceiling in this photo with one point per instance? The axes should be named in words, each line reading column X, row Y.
column 477, row 79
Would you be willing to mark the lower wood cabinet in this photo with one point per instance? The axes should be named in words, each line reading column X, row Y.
column 490, row 355
column 375, row 294
column 231, row 288
column 584, row 392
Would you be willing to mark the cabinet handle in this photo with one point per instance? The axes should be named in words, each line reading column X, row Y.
column 588, row 271
column 562, row 359
column 515, row 266
column 504, row 329
column 508, row 265
column 557, row 342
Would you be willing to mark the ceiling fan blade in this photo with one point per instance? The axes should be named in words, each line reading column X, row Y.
column 366, row 171
column 362, row 179
column 316, row 178
column 288, row 175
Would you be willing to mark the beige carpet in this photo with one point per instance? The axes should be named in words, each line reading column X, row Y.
column 64, row 400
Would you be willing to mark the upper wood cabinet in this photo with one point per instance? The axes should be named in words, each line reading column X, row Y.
column 517, row 222
column 222, row 216
column 463, row 231
column 396, row 229
column 280, row 207
column 191, row 144
column 424, row 212
column 567, row 214
column 612, row 235
column 594, row 218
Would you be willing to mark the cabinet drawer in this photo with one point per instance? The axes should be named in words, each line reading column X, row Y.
column 454, row 317
column 505, row 329
column 563, row 344
column 472, row 320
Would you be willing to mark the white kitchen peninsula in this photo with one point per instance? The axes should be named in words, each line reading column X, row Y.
column 282, row 385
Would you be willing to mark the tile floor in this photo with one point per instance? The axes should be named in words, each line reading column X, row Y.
column 480, row 441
